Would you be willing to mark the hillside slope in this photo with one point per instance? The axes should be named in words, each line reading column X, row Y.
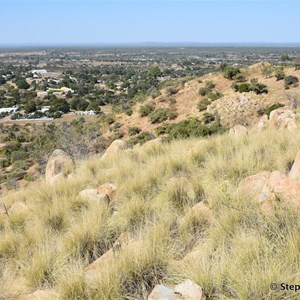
column 232, row 108
column 177, row 213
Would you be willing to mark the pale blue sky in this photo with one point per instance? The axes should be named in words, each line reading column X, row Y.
column 96, row 21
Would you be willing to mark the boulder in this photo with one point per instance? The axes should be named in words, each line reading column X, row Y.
column 238, row 130
column 101, row 261
column 268, row 187
column 152, row 143
column 58, row 164
column 109, row 189
column 255, row 183
column 18, row 208
column 93, row 194
column 189, row 290
column 186, row 290
column 115, row 147
column 282, row 118
column 161, row 292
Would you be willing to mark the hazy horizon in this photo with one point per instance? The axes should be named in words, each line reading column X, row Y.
column 92, row 22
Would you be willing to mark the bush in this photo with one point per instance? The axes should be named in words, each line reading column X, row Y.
column 253, row 86
column 146, row 109
column 203, row 104
column 142, row 138
column 230, row 73
column 291, row 80
column 192, row 127
column 161, row 115
column 214, row 96
column 22, row 84
column 267, row 110
column 279, row 74
column 209, row 86
column 134, row 130
column 172, row 91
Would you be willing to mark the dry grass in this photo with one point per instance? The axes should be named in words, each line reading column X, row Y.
column 234, row 255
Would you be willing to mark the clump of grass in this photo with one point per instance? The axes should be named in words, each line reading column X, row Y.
column 235, row 254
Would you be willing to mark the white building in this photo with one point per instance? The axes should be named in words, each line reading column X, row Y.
column 85, row 113
column 9, row 110
column 39, row 72
column 45, row 108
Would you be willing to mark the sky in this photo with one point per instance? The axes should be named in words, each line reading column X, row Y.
column 52, row 22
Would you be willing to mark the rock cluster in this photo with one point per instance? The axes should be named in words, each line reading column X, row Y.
column 280, row 118
column 268, row 186
column 104, row 193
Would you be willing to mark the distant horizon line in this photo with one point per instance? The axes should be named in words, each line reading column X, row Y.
column 148, row 44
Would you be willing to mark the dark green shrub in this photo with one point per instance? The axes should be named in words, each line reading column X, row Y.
column 230, row 73
column 192, row 127
column 209, row 118
column 239, row 77
column 214, row 96
column 172, row 91
column 279, row 74
column 142, row 138
column 253, row 86
column 134, row 130
column 291, row 80
column 161, row 115
column 209, row 86
column 257, row 87
column 267, row 110
column 203, row 104
column 146, row 109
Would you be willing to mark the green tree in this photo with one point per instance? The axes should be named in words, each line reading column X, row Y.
column 22, row 84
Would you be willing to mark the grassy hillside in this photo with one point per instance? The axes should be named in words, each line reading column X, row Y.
column 229, row 245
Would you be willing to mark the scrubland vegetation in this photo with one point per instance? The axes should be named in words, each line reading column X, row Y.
column 234, row 250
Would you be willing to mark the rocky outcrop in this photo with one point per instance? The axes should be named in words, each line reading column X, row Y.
column 115, row 147
column 267, row 187
column 238, row 130
column 186, row 290
column 59, row 164
column 280, row 118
